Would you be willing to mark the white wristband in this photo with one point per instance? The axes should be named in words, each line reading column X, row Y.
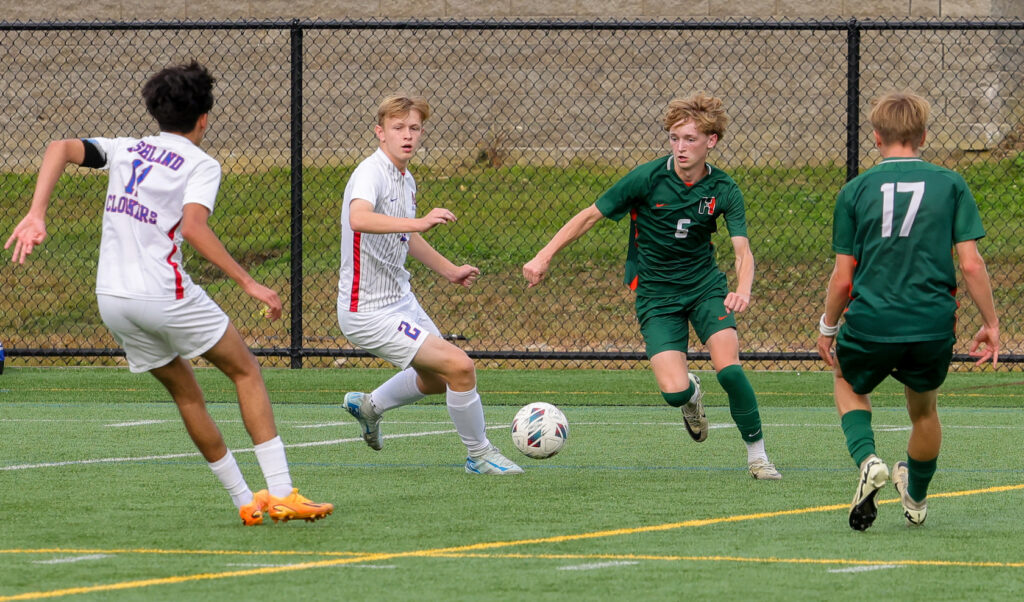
column 825, row 329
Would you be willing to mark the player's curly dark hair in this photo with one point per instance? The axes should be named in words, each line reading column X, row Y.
column 178, row 95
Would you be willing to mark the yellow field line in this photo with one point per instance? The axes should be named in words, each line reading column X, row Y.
column 436, row 552
column 767, row 560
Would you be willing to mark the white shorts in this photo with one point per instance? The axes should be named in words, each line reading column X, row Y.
column 152, row 333
column 394, row 333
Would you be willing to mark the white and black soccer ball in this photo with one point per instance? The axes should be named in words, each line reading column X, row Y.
column 539, row 430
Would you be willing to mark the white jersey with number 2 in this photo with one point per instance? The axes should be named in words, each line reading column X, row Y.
column 150, row 181
column 373, row 274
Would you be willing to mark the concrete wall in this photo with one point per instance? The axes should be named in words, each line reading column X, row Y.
column 341, row 9
column 539, row 97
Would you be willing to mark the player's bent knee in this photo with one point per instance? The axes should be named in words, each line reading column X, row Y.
column 462, row 367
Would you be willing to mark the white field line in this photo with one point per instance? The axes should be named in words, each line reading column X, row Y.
column 136, row 423
column 237, row 451
column 668, row 423
column 870, row 567
column 597, row 565
column 72, row 559
column 831, row 425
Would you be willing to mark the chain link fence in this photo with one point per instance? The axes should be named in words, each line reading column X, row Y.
column 531, row 122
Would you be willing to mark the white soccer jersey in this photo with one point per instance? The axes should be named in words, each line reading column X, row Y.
column 150, row 181
column 373, row 273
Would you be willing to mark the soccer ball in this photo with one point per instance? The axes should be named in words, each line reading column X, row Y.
column 539, row 430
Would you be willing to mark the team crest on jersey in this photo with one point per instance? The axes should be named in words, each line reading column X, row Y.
column 707, row 206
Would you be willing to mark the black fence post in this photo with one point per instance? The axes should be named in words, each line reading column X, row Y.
column 852, row 99
column 295, row 348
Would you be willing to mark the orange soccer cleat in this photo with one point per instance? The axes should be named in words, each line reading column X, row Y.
column 252, row 513
column 294, row 506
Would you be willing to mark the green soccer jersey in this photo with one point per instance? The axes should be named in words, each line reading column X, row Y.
column 900, row 220
column 670, row 244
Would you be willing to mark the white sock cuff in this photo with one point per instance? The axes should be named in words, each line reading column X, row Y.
column 227, row 460
column 229, row 475
column 274, row 464
column 399, row 390
column 269, row 446
column 755, row 450
column 461, row 399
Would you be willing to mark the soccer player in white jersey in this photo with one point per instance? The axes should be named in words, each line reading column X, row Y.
column 161, row 191
column 376, row 308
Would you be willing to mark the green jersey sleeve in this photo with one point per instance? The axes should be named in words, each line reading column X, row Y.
column 735, row 213
column 618, row 200
column 967, row 220
column 842, row 226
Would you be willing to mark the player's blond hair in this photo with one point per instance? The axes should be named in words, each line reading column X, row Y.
column 706, row 112
column 900, row 117
column 400, row 106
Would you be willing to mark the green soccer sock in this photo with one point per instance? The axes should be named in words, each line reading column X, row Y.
column 919, row 475
column 860, row 439
column 742, row 402
column 679, row 398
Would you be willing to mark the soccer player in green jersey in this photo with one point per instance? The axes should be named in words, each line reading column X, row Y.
column 674, row 203
column 894, row 229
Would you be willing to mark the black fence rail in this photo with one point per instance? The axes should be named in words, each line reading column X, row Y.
column 531, row 121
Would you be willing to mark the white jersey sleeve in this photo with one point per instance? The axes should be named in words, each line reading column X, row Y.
column 364, row 184
column 150, row 180
column 201, row 188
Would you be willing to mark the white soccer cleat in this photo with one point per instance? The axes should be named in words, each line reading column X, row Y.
column 763, row 470
column 863, row 510
column 914, row 512
column 694, row 418
column 358, row 404
column 490, row 461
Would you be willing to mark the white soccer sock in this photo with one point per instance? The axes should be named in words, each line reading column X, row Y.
column 274, row 464
column 755, row 450
column 467, row 413
column 231, row 477
column 399, row 390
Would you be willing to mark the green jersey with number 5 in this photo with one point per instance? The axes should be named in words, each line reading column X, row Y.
column 670, row 249
column 900, row 220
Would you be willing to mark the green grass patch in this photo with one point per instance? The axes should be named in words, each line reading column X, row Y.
column 631, row 507
column 505, row 215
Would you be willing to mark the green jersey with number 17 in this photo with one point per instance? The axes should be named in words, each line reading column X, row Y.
column 900, row 220
column 670, row 249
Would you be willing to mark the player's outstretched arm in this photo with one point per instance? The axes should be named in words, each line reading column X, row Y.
column 536, row 269
column 740, row 300
column 196, row 230
column 362, row 218
column 423, row 252
column 31, row 230
column 836, row 299
column 985, row 345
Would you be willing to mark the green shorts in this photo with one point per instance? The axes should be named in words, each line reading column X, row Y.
column 921, row 365
column 664, row 320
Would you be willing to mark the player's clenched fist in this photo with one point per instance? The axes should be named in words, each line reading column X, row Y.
column 535, row 270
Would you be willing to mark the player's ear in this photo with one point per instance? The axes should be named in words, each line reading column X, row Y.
column 712, row 140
